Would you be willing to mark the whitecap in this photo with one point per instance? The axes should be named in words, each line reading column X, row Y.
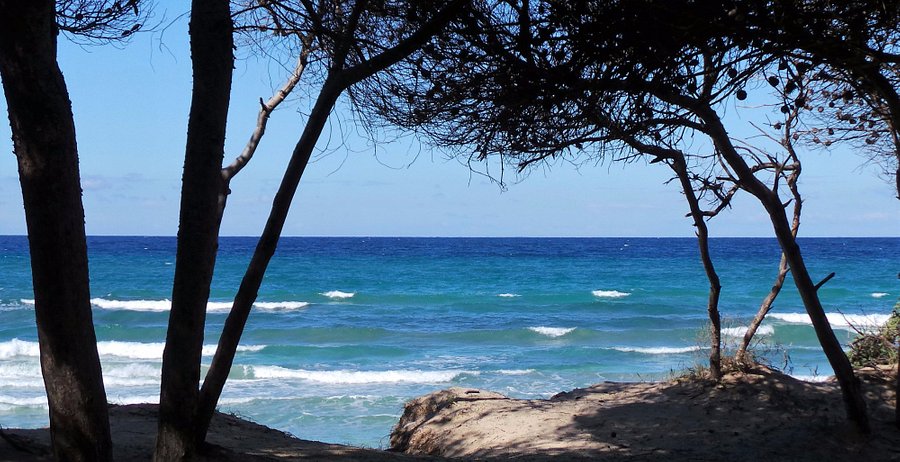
column 551, row 331
column 609, row 293
column 739, row 331
column 879, row 294
column 280, row 306
column 27, row 301
column 344, row 377
column 337, row 294
column 515, row 371
column 813, row 378
column 132, row 305
column 15, row 347
column 131, row 350
column 837, row 320
column 508, row 295
column 658, row 350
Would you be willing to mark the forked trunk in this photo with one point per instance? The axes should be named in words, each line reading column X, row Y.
column 212, row 59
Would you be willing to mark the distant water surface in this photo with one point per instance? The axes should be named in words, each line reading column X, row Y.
column 347, row 329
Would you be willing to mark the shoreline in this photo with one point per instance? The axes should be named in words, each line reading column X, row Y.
column 757, row 414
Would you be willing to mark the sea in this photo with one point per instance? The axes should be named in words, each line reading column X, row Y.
column 347, row 329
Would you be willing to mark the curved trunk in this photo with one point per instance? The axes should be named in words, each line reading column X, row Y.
column 764, row 309
column 715, row 287
column 843, row 371
column 43, row 129
column 212, row 59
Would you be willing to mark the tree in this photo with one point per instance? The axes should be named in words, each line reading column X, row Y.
column 353, row 40
column 544, row 79
column 43, row 128
column 212, row 60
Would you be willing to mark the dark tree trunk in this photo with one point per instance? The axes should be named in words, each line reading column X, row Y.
column 43, row 129
column 715, row 287
column 212, row 59
column 843, row 371
column 265, row 249
column 339, row 79
column 764, row 309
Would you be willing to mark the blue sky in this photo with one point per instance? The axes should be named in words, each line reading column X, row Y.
column 131, row 105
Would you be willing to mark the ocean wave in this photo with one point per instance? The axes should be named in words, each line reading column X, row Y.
column 354, row 377
column 31, row 401
column 508, row 295
column 280, row 306
column 514, row 371
column 658, row 350
column 552, row 331
column 338, row 295
column 15, row 347
column 837, row 320
column 739, row 331
column 166, row 304
column 813, row 378
column 879, row 294
column 609, row 294
column 132, row 350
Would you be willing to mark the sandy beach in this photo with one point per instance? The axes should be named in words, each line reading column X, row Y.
column 758, row 414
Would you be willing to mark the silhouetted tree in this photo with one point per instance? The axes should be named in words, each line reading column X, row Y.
column 349, row 41
column 43, row 129
column 538, row 80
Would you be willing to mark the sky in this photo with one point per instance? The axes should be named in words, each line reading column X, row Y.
column 131, row 104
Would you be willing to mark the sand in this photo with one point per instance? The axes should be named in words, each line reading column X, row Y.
column 754, row 415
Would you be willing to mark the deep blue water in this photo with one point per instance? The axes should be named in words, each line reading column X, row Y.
column 350, row 328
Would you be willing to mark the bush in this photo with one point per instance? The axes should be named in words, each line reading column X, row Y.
column 879, row 347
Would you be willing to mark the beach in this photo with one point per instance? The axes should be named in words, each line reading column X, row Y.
column 755, row 414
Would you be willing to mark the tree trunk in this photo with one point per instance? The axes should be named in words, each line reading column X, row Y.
column 212, row 59
column 843, row 371
column 715, row 287
column 265, row 249
column 764, row 309
column 43, row 129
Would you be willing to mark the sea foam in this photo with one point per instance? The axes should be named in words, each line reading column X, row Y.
column 879, row 294
column 166, row 305
column 354, row 377
column 508, row 295
column 739, row 331
column 658, row 350
column 338, row 295
column 131, row 350
column 838, row 320
column 551, row 331
column 609, row 293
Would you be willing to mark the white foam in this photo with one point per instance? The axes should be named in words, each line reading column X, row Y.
column 813, row 378
column 166, row 305
column 280, row 306
column 879, row 294
column 838, row 320
column 658, row 350
column 508, row 295
column 32, row 401
column 132, row 350
column 515, row 371
column 27, row 301
column 609, row 293
column 354, row 377
column 739, row 331
column 552, row 331
column 337, row 294
column 16, row 347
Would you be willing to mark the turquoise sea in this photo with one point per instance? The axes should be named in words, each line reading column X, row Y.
column 347, row 329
